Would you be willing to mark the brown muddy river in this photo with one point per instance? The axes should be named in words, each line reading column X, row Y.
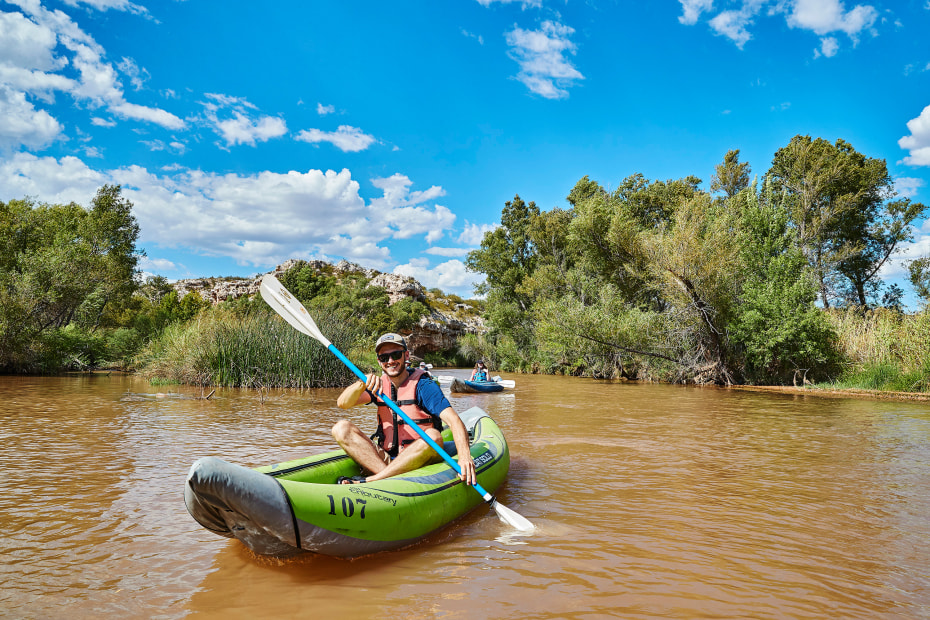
column 650, row 501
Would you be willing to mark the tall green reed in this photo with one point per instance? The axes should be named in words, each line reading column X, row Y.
column 221, row 348
column 884, row 349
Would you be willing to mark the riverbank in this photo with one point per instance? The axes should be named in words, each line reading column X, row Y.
column 835, row 392
column 810, row 390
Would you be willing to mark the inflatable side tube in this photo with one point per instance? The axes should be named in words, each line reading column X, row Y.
column 239, row 502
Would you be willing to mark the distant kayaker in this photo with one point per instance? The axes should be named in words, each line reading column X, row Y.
column 399, row 448
column 425, row 370
column 480, row 373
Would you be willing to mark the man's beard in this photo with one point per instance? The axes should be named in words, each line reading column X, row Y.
column 396, row 371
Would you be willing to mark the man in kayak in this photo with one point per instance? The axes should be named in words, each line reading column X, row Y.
column 399, row 448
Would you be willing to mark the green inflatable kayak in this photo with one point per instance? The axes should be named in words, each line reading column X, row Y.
column 297, row 506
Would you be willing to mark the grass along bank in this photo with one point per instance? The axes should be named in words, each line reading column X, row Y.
column 883, row 350
column 223, row 348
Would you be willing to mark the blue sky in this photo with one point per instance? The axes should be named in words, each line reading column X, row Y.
column 391, row 133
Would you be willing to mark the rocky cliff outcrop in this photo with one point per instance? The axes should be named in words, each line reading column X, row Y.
column 437, row 332
column 398, row 287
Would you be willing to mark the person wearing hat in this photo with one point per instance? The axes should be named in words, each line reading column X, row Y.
column 480, row 373
column 395, row 448
column 425, row 370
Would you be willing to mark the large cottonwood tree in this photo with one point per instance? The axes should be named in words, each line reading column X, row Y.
column 841, row 203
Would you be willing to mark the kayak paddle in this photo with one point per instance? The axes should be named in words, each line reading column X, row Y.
column 292, row 311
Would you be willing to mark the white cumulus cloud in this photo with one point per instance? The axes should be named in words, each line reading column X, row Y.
column 908, row 187
column 692, row 9
column 734, row 25
column 236, row 121
column 105, row 5
column 474, row 233
column 828, row 47
column 26, row 44
column 257, row 219
column 346, row 138
column 36, row 47
column 918, row 142
column 826, row 16
column 524, row 3
column 450, row 276
column 22, row 124
column 243, row 130
column 544, row 68
column 447, row 252
column 405, row 215
column 736, row 20
column 156, row 264
column 145, row 113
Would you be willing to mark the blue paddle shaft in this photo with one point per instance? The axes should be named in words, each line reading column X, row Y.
column 390, row 403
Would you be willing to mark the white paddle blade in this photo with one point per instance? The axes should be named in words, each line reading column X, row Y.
column 291, row 310
column 511, row 518
column 508, row 383
column 445, row 378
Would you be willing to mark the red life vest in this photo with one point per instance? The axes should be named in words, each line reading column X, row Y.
column 393, row 433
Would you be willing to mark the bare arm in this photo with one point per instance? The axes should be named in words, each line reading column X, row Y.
column 355, row 394
column 460, row 435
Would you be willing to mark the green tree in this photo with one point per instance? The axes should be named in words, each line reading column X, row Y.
column 694, row 264
column 893, row 298
column 603, row 232
column 62, row 263
column 607, row 231
column 585, row 189
column 878, row 231
column 556, row 255
column 154, row 288
column 306, row 283
column 652, row 204
column 507, row 257
column 838, row 202
column 731, row 177
column 776, row 325
column 660, row 254
column 919, row 275
column 406, row 314
column 152, row 317
column 112, row 232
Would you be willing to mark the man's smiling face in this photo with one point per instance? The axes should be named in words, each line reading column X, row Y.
column 393, row 367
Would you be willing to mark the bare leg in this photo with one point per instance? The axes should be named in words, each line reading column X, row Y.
column 414, row 456
column 358, row 446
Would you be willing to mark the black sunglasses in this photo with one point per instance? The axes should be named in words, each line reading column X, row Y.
column 393, row 355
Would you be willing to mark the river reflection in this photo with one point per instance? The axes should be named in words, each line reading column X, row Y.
column 650, row 501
